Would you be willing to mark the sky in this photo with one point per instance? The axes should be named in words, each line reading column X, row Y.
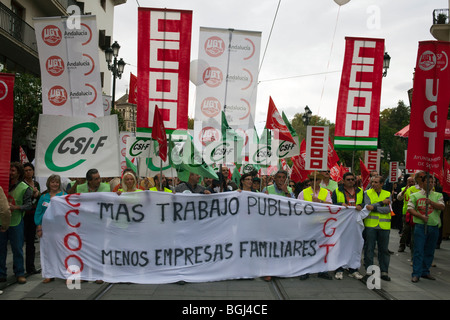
column 301, row 61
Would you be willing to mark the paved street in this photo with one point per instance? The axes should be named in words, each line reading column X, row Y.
column 400, row 288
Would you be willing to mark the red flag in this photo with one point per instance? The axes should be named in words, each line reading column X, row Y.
column 275, row 122
column 132, row 95
column 445, row 180
column 429, row 107
column 159, row 134
column 299, row 174
column 23, row 155
column 333, row 158
column 336, row 172
column 365, row 174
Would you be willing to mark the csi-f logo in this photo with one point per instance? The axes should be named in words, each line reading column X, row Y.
column 68, row 144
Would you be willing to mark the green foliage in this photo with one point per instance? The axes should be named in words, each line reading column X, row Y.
column 27, row 107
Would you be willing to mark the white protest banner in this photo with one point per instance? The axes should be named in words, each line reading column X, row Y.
column 70, row 146
column 158, row 237
column 317, row 148
column 70, row 72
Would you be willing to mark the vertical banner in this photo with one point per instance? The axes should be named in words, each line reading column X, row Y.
column 393, row 171
column 429, row 107
column 317, row 148
column 372, row 160
column 358, row 108
column 164, row 45
column 6, row 126
column 132, row 95
column 226, row 77
column 70, row 69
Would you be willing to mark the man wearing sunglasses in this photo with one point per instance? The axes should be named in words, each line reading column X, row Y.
column 347, row 194
column 426, row 216
column 377, row 226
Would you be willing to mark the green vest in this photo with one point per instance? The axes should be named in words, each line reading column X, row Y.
column 165, row 189
column 308, row 193
column 418, row 199
column 17, row 194
column 340, row 196
column 375, row 218
column 271, row 190
column 83, row 188
column 406, row 196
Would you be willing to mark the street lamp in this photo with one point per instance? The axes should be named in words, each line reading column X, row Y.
column 307, row 116
column 386, row 62
column 116, row 67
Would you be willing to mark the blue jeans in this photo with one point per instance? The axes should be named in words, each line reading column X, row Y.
column 15, row 236
column 379, row 237
column 424, row 246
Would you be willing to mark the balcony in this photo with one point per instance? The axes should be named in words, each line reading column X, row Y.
column 440, row 29
column 17, row 29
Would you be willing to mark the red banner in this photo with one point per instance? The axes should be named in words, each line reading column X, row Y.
column 358, row 108
column 164, row 46
column 6, row 126
column 132, row 95
column 429, row 107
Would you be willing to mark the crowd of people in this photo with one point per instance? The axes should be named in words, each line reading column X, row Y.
column 414, row 205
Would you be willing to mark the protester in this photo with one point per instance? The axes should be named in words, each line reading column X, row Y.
column 53, row 189
column 280, row 187
column 28, row 219
column 128, row 183
column 22, row 201
column 425, row 206
column 327, row 182
column 192, row 185
column 5, row 211
column 160, row 185
column 347, row 194
column 226, row 175
column 256, row 183
column 406, row 237
column 247, row 183
column 377, row 226
column 319, row 194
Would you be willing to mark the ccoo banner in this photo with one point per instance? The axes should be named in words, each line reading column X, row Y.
column 159, row 237
column 429, row 107
column 358, row 109
column 164, row 47
column 70, row 146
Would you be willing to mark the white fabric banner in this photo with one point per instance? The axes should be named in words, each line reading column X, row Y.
column 70, row 69
column 157, row 237
column 70, row 146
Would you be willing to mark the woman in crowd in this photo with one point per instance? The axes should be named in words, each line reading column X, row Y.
column 128, row 184
column 246, row 183
column 53, row 189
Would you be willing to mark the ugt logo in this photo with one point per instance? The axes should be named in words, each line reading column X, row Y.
column 69, row 144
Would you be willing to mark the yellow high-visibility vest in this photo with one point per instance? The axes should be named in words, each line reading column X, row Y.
column 375, row 218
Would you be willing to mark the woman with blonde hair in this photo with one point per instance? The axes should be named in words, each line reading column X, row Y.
column 53, row 189
column 129, row 183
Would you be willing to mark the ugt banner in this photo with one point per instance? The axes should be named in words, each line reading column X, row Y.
column 70, row 146
column 159, row 237
column 358, row 108
column 429, row 107
column 6, row 126
column 164, row 47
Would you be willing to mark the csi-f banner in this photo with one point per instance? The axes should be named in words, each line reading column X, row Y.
column 70, row 146
column 429, row 107
column 6, row 125
column 358, row 108
column 164, row 46
column 158, row 237
column 69, row 61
